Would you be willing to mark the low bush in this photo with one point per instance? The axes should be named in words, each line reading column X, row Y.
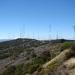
column 9, row 71
column 66, row 45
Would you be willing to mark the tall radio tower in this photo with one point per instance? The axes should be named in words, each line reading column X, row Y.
column 38, row 36
column 22, row 31
column 57, row 36
column 50, row 32
column 33, row 35
column 74, row 32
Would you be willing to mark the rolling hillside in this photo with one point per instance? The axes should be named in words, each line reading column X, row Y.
column 36, row 57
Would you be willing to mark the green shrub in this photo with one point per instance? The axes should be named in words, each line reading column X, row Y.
column 71, row 53
column 30, row 67
column 9, row 71
column 19, row 70
column 33, row 68
column 3, row 56
column 73, row 50
column 52, row 67
column 66, row 45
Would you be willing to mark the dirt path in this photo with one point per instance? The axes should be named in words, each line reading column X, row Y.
column 58, row 59
column 70, row 64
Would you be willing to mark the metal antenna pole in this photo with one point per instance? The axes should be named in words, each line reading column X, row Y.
column 22, row 31
column 33, row 36
column 57, row 36
column 51, row 52
column 74, row 32
column 38, row 36
column 23, row 36
column 9, row 47
column 50, row 32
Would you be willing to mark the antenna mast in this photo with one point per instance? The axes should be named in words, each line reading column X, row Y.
column 50, row 32
column 22, row 31
column 33, row 35
column 57, row 36
column 38, row 36
column 74, row 32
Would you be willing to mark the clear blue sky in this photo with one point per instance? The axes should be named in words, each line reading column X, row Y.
column 33, row 17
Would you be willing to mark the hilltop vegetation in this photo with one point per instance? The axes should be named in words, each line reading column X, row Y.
column 33, row 57
column 9, row 48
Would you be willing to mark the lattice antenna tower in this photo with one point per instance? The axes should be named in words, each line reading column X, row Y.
column 22, row 31
column 22, row 34
column 9, row 49
column 33, row 35
column 74, row 32
column 57, row 36
column 49, row 32
column 51, row 52
column 38, row 36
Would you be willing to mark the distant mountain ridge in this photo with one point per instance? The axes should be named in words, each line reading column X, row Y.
column 2, row 40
